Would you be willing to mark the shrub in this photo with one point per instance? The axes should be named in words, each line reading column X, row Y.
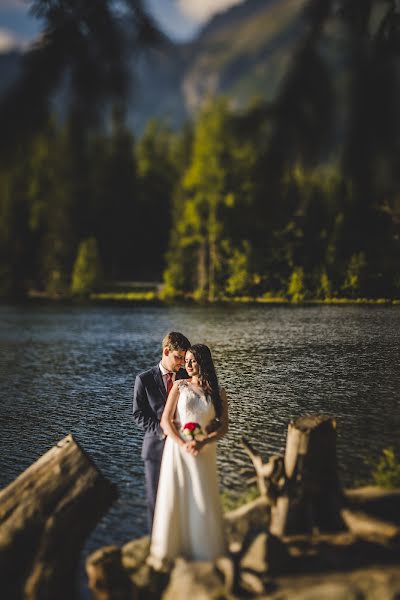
column 231, row 501
column 386, row 472
column 296, row 285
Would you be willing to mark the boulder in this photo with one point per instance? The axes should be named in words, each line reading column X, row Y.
column 195, row 580
column 107, row 577
column 245, row 519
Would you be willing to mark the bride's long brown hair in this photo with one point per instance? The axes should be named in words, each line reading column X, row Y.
column 207, row 376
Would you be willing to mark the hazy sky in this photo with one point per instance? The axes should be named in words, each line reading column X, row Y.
column 16, row 27
column 180, row 19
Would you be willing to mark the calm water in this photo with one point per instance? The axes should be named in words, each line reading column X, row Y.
column 71, row 370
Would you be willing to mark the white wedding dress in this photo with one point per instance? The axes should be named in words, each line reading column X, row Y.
column 188, row 516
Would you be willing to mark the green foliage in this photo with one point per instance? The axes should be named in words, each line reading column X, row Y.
column 87, row 272
column 354, row 274
column 161, row 156
column 173, row 281
column 296, row 285
column 386, row 471
column 15, row 234
column 238, row 266
column 112, row 197
column 206, row 196
column 324, row 290
column 198, row 208
column 232, row 501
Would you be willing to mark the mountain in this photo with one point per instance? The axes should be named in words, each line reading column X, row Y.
column 241, row 53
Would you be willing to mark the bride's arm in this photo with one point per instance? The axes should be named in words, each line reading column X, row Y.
column 167, row 418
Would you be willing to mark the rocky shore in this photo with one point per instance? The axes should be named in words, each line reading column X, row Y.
column 360, row 562
column 303, row 538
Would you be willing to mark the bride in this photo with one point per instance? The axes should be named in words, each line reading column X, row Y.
column 188, row 515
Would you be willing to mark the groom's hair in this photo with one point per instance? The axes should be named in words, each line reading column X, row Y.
column 175, row 341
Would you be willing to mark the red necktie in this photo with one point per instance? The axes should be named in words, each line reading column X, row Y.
column 170, row 383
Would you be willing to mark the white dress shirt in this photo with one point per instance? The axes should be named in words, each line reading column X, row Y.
column 164, row 373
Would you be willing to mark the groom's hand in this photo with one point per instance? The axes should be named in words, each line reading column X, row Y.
column 194, row 446
column 191, row 447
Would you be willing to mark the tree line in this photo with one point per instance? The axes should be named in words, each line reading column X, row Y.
column 238, row 229
column 198, row 208
column 91, row 203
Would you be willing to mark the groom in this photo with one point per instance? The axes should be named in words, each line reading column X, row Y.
column 150, row 394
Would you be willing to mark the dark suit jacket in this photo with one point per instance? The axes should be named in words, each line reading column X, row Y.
column 149, row 399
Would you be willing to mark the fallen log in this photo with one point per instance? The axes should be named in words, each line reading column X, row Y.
column 46, row 515
column 366, row 526
column 376, row 501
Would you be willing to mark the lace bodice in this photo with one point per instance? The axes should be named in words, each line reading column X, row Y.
column 193, row 405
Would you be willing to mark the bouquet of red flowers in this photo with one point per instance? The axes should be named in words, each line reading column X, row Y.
column 192, row 431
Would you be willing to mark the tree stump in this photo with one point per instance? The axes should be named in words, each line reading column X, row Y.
column 312, row 497
column 45, row 517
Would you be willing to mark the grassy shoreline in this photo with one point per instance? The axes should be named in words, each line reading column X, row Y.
column 154, row 297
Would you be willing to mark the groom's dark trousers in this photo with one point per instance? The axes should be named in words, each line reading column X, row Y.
column 149, row 399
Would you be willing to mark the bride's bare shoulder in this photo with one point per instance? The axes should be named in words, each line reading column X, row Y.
column 182, row 382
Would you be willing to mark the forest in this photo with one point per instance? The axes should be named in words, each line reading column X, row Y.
column 197, row 209
column 270, row 201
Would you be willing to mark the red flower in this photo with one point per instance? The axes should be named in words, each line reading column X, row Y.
column 191, row 426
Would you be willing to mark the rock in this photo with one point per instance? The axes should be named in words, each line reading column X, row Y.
column 379, row 583
column 256, row 556
column 148, row 583
column 195, row 580
column 378, row 502
column 239, row 522
column 134, row 553
column 363, row 525
column 122, row 574
column 328, row 591
column 264, row 554
column 371, row 583
column 250, row 583
column 227, row 569
column 107, row 578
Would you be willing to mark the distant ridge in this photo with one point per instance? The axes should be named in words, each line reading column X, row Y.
column 241, row 53
column 232, row 15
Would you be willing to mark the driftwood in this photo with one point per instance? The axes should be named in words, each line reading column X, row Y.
column 303, row 491
column 45, row 517
column 270, row 476
column 303, row 486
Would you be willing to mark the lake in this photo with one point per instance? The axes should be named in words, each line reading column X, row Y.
column 70, row 369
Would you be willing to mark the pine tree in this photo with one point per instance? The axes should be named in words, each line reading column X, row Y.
column 87, row 271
